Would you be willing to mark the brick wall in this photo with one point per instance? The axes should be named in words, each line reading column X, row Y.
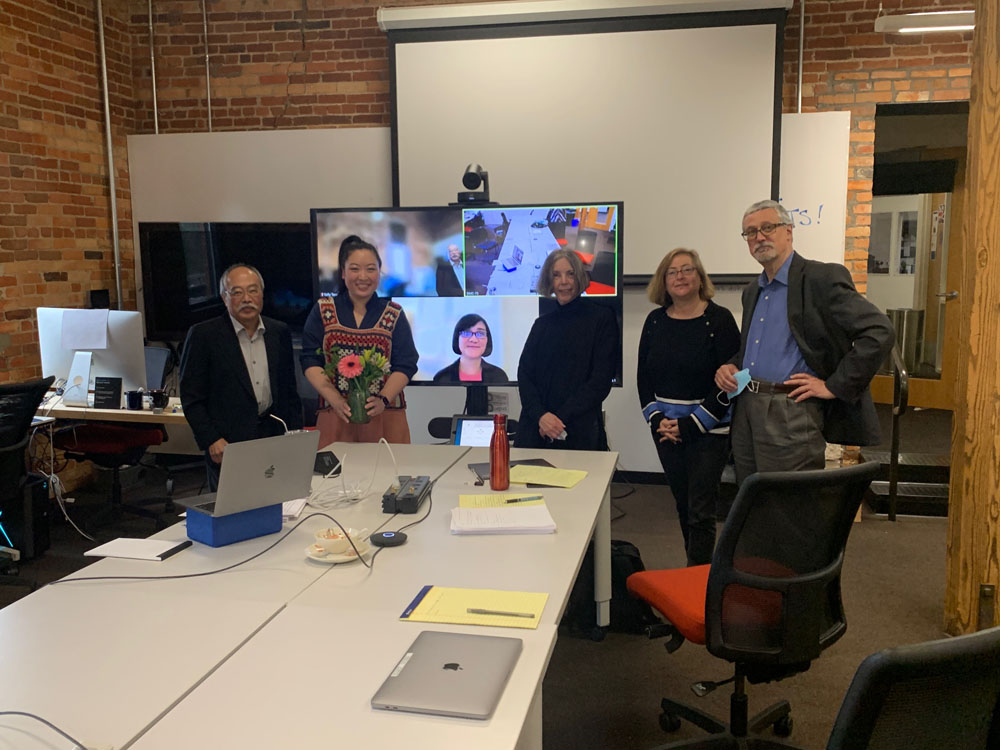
column 305, row 63
column 848, row 66
column 54, row 213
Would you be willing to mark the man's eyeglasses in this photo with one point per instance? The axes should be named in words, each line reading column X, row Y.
column 238, row 292
column 472, row 334
column 765, row 229
column 682, row 271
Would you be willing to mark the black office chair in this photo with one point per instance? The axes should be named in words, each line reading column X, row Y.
column 18, row 403
column 769, row 602
column 928, row 696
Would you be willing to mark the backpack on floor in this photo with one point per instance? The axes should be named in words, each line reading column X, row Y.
column 628, row 614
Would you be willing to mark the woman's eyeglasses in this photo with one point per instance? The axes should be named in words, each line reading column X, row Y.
column 472, row 334
column 682, row 271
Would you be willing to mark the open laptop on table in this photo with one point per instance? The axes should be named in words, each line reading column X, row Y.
column 450, row 674
column 256, row 473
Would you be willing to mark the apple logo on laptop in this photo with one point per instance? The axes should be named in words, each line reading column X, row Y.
column 454, row 666
column 269, row 471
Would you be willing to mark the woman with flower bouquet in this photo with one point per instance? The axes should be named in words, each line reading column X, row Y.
column 358, row 353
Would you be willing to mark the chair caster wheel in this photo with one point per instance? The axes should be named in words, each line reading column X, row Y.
column 783, row 726
column 669, row 722
column 597, row 634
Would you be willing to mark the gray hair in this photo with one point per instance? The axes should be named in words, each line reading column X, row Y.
column 579, row 273
column 224, row 278
column 783, row 216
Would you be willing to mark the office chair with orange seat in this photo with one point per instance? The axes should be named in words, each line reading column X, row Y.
column 926, row 696
column 770, row 600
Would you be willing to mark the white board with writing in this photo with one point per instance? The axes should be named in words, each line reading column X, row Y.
column 813, row 185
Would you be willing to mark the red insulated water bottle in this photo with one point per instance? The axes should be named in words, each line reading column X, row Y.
column 499, row 454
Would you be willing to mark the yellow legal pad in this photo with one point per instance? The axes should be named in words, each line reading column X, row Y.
column 502, row 609
column 547, row 475
column 497, row 501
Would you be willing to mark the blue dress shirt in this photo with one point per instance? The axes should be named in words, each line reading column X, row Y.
column 772, row 353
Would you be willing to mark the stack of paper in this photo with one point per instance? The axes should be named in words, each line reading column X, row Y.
column 533, row 519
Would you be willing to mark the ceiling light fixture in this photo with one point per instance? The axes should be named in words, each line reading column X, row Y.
column 921, row 23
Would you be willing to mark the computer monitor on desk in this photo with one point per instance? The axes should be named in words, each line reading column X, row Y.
column 122, row 356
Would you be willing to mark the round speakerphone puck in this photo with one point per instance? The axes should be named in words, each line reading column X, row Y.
column 388, row 538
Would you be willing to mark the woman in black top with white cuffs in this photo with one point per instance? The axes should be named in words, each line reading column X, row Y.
column 683, row 343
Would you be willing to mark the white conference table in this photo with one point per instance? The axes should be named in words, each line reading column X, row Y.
column 93, row 656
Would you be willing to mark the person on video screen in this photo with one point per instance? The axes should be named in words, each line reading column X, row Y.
column 567, row 364
column 472, row 341
column 450, row 274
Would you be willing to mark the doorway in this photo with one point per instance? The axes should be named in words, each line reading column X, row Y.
column 913, row 263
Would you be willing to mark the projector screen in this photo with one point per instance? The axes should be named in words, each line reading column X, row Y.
column 680, row 124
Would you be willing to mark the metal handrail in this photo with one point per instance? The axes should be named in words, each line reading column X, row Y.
column 900, row 396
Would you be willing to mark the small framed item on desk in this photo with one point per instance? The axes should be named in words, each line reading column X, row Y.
column 107, row 393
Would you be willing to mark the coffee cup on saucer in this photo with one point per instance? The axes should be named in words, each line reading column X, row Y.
column 333, row 541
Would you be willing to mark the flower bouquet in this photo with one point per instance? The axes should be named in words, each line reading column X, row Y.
column 359, row 375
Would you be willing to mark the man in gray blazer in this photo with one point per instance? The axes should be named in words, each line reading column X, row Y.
column 812, row 345
column 238, row 372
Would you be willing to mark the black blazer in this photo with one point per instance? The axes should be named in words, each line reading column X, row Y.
column 491, row 374
column 843, row 337
column 216, row 392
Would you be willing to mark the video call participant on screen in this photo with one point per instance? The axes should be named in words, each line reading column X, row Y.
column 450, row 274
column 357, row 319
column 472, row 341
column 683, row 342
column 567, row 363
column 237, row 370
column 812, row 345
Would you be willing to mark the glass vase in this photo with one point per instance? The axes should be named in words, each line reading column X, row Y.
column 357, row 400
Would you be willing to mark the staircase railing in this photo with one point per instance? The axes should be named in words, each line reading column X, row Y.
column 900, row 395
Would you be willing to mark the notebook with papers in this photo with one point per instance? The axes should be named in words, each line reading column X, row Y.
column 450, row 674
column 256, row 473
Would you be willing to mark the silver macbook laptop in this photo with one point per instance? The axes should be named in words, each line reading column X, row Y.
column 450, row 674
column 261, row 472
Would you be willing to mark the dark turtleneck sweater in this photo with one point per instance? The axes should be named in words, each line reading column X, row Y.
column 566, row 368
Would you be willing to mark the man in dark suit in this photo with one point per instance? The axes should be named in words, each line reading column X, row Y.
column 812, row 345
column 238, row 372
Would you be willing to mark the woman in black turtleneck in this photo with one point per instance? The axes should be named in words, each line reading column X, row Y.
column 567, row 364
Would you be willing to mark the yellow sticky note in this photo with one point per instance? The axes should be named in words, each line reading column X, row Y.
column 503, row 609
column 547, row 475
column 498, row 501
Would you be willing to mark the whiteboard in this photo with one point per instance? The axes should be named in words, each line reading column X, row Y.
column 815, row 148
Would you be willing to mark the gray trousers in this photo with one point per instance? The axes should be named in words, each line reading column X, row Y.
column 770, row 432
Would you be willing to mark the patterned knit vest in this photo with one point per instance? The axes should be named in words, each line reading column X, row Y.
column 338, row 336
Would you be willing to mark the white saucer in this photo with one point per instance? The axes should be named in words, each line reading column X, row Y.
column 363, row 547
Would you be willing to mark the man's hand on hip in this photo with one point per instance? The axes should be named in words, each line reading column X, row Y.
column 216, row 448
column 724, row 379
column 807, row 386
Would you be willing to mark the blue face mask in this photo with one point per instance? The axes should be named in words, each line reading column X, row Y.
column 742, row 381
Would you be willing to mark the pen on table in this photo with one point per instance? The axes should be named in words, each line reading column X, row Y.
column 523, row 499
column 474, row 611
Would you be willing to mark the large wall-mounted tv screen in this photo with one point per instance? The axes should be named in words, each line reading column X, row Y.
column 182, row 262
column 442, row 263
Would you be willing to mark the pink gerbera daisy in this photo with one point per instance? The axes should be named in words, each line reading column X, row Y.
column 350, row 366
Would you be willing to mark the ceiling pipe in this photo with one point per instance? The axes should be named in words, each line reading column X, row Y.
column 208, row 73
column 152, row 71
column 112, row 190
column 802, row 46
